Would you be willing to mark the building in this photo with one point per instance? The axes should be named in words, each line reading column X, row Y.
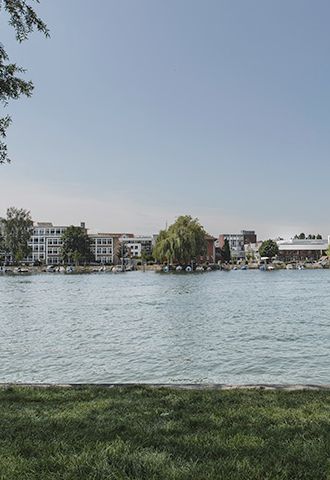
column 139, row 244
column 46, row 243
column 301, row 250
column 237, row 241
column 252, row 251
column 102, row 247
column 209, row 256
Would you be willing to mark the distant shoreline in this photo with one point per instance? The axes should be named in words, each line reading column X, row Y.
column 94, row 269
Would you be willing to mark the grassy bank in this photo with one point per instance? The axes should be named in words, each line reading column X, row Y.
column 143, row 433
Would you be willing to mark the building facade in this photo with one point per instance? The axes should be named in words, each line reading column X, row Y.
column 138, row 245
column 302, row 250
column 237, row 241
column 46, row 243
column 102, row 247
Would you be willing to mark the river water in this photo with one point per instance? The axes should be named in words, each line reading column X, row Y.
column 223, row 327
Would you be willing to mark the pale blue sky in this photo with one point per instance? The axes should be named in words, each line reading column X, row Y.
column 147, row 109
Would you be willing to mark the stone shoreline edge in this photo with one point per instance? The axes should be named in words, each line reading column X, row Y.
column 175, row 386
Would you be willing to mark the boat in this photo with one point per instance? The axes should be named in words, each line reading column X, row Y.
column 199, row 268
column 188, row 269
column 178, row 268
column 118, row 269
column 270, row 268
column 166, row 269
column 69, row 269
column 244, row 267
column 263, row 268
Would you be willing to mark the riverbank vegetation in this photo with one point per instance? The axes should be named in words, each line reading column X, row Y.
column 182, row 242
column 170, row 434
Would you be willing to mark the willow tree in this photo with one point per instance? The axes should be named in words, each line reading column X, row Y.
column 182, row 242
column 24, row 20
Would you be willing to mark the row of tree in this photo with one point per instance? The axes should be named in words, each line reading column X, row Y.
column 303, row 236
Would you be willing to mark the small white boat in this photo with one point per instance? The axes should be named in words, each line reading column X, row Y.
column 188, row 269
column 199, row 268
column 178, row 268
column 118, row 269
column 270, row 267
column 166, row 269
column 69, row 269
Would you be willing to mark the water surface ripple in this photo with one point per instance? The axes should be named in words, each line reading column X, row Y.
column 222, row 327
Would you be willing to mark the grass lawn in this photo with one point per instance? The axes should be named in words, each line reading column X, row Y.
column 143, row 433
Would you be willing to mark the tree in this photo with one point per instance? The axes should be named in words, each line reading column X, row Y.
column 24, row 20
column 182, row 242
column 2, row 245
column 225, row 255
column 76, row 246
column 319, row 237
column 17, row 230
column 268, row 248
column 301, row 236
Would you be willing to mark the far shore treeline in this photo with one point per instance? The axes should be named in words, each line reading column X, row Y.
column 183, row 242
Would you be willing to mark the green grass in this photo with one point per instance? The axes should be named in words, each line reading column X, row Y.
column 142, row 433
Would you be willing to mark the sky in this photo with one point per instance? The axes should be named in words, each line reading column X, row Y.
column 144, row 110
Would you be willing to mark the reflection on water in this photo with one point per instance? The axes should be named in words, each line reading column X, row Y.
column 237, row 327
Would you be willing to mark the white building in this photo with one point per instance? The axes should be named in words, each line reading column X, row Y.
column 103, row 246
column 46, row 243
column 139, row 244
column 252, row 251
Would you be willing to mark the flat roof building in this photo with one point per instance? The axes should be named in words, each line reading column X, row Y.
column 300, row 250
